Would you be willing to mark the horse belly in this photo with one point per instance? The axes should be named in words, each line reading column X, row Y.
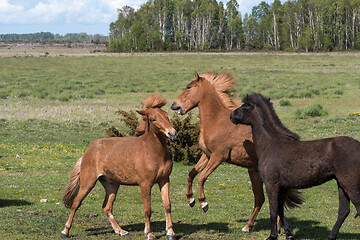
column 305, row 174
column 240, row 157
column 122, row 175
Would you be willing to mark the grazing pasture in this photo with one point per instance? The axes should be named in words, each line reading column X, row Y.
column 52, row 107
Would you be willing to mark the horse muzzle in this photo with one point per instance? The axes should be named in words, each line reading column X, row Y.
column 171, row 134
column 175, row 107
column 233, row 118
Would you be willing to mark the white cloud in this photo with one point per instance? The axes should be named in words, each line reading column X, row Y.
column 6, row 7
column 57, row 11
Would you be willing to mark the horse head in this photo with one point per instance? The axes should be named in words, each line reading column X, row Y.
column 157, row 121
column 243, row 114
column 190, row 97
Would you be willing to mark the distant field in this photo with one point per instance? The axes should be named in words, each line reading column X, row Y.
column 52, row 107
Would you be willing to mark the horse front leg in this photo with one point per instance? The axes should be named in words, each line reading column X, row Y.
column 146, row 201
column 200, row 165
column 214, row 161
column 273, row 195
column 287, row 228
column 164, row 189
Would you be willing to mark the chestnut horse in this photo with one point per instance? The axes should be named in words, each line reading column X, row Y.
column 142, row 161
column 285, row 164
column 219, row 137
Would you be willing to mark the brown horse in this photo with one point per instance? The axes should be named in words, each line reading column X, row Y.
column 219, row 137
column 285, row 164
column 142, row 161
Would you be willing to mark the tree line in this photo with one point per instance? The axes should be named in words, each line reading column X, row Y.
column 295, row 25
column 47, row 36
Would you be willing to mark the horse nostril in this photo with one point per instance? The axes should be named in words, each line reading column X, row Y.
column 172, row 135
column 174, row 107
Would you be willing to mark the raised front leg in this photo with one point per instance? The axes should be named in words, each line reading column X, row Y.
column 164, row 189
column 146, row 201
column 215, row 160
column 200, row 165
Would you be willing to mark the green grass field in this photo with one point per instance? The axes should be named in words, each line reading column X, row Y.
column 52, row 108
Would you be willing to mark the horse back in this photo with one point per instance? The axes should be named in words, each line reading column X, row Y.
column 127, row 160
column 314, row 162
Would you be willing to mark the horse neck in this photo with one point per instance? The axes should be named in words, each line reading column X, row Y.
column 261, row 135
column 210, row 107
column 157, row 139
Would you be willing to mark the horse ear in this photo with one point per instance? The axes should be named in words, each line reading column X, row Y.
column 197, row 77
column 142, row 112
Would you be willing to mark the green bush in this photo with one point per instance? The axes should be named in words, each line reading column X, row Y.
column 284, row 103
column 313, row 110
column 184, row 149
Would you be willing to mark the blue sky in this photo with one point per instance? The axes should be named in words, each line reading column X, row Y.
column 71, row 16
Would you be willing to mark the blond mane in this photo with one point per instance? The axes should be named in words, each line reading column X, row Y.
column 223, row 85
column 154, row 101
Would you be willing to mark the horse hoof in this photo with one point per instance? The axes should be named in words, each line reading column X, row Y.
column 126, row 235
column 290, row 237
column 205, row 207
column 245, row 229
column 63, row 236
column 192, row 202
column 169, row 237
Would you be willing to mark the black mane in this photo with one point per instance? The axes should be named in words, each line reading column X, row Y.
column 271, row 119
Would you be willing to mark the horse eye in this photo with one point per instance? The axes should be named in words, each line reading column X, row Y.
column 188, row 87
column 154, row 120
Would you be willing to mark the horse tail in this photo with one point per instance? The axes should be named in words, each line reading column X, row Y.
column 73, row 187
column 294, row 198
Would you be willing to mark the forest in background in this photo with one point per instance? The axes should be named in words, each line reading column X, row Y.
column 47, row 36
column 295, row 25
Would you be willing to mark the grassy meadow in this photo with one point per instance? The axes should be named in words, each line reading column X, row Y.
column 51, row 108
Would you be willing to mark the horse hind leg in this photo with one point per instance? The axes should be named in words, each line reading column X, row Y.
column 86, row 185
column 200, row 165
column 259, row 198
column 111, row 191
column 344, row 210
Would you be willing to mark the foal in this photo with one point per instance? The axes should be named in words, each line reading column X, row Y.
column 142, row 161
column 285, row 164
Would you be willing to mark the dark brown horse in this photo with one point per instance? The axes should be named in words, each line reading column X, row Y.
column 211, row 94
column 285, row 164
column 142, row 161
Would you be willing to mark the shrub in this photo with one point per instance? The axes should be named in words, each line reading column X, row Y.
column 339, row 92
column 313, row 110
column 284, row 103
column 184, row 149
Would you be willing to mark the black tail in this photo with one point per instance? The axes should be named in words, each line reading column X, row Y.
column 294, row 198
